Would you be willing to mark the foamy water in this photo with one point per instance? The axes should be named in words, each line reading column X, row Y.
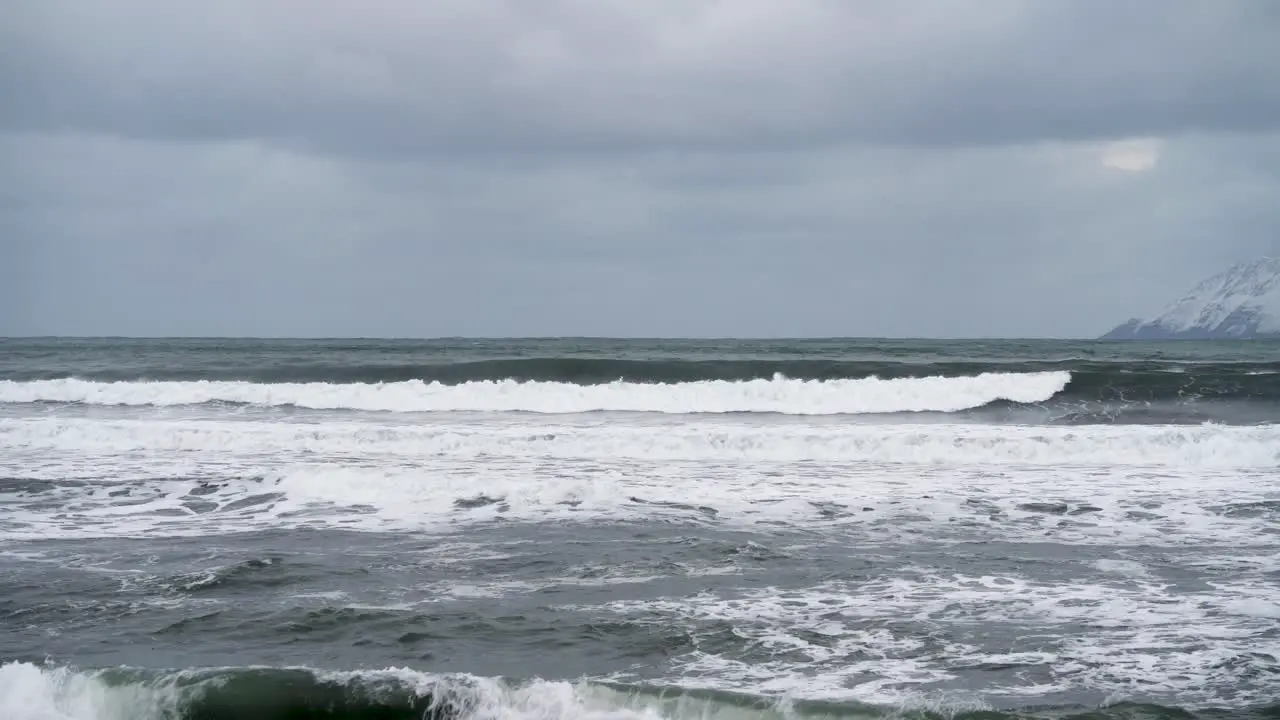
column 154, row 475
column 1067, row 537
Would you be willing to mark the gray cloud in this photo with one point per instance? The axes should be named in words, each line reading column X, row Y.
column 658, row 168
column 388, row 78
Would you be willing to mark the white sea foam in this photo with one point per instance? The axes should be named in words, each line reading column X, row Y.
column 838, row 640
column 252, row 443
column 30, row 692
column 778, row 395
column 843, row 641
column 138, row 470
column 1096, row 484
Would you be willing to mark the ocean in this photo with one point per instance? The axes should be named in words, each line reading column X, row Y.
column 580, row 529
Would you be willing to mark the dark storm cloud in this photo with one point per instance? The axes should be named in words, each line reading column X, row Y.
column 389, row 77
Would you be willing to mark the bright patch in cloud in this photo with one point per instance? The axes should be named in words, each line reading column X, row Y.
column 1133, row 155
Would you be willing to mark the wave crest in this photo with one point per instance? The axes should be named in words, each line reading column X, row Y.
column 871, row 395
column 32, row 692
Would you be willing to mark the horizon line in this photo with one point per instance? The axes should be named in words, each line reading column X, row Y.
column 704, row 338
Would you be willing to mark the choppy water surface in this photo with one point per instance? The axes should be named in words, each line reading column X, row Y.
column 582, row 528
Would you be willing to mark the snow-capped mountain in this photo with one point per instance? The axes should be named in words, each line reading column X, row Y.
column 1243, row 302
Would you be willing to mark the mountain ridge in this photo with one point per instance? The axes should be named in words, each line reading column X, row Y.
column 1239, row 303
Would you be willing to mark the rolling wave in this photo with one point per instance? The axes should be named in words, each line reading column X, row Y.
column 778, row 394
column 34, row 692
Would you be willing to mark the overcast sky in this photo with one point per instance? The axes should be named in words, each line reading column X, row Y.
column 629, row 167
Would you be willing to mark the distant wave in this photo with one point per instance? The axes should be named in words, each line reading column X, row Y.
column 1126, row 382
column 590, row 371
column 778, row 394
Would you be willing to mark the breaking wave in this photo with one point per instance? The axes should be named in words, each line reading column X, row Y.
column 34, row 692
column 1198, row 446
column 779, row 394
